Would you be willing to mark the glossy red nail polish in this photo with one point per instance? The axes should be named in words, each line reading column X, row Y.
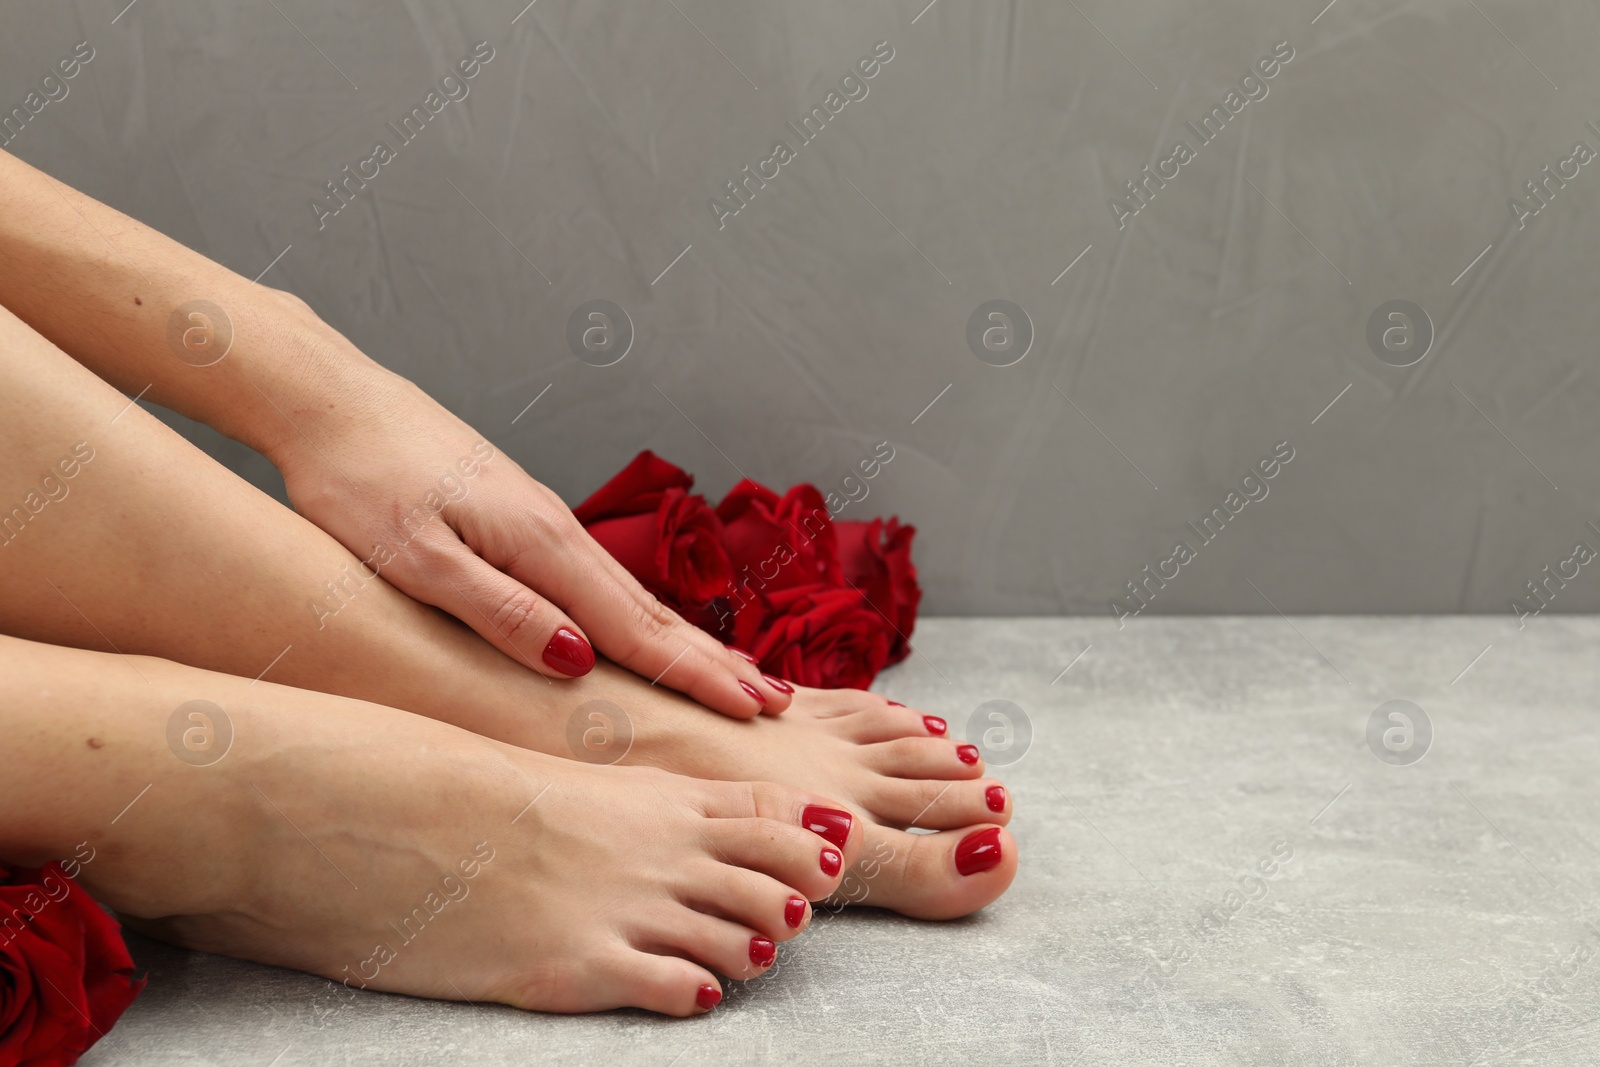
column 979, row 852
column 831, row 861
column 829, row 823
column 754, row 693
column 742, row 654
column 967, row 754
column 777, row 683
column 794, row 912
column 896, row 704
column 995, row 797
column 762, row 952
column 569, row 653
column 936, row 726
column 708, row 997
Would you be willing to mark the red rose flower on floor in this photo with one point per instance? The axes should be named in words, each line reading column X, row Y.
column 664, row 536
column 876, row 558
column 65, row 974
column 777, row 542
column 829, row 638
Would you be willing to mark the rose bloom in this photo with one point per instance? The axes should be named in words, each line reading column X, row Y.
column 820, row 636
column 876, row 558
column 65, row 975
column 777, row 542
column 664, row 536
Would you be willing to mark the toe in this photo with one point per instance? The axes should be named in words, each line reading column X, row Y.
column 726, row 947
column 873, row 725
column 937, row 805
column 763, row 800
column 743, row 896
column 792, row 855
column 935, row 876
column 664, row 984
column 924, row 757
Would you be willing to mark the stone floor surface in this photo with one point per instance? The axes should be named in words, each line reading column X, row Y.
column 1230, row 855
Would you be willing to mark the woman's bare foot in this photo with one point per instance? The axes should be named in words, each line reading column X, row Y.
column 894, row 766
column 387, row 851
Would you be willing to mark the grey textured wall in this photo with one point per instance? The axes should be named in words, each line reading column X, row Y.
column 1221, row 319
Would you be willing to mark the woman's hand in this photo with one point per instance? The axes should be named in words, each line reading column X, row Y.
column 429, row 504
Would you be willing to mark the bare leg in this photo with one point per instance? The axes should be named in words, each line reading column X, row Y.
column 384, row 850
column 152, row 548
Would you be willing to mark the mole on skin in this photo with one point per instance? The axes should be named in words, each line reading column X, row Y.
column 95, row 742
column 136, row 300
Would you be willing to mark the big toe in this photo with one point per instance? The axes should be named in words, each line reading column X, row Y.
column 932, row 876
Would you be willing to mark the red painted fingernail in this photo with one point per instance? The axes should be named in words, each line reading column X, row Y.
column 777, row 683
column 754, row 692
column 831, row 861
column 829, row 823
column 794, row 912
column 936, row 726
column 896, row 704
column 995, row 796
column 979, row 852
column 967, row 753
column 569, row 653
column 762, row 952
column 708, row 997
column 742, row 654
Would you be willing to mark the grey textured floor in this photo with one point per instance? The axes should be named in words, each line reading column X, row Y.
column 1442, row 912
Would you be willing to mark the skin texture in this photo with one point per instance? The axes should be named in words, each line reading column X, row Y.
column 388, row 851
column 360, row 448
column 159, row 551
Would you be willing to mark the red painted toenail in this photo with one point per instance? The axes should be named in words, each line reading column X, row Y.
column 742, row 654
column 748, row 688
column 831, row 861
column 830, row 823
column 936, row 726
column 569, row 653
column 995, row 796
column 708, row 997
column 896, row 704
column 777, row 683
column 762, row 952
column 979, row 852
column 967, row 753
column 794, row 912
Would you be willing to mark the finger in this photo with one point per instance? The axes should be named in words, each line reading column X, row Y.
column 504, row 612
column 657, row 645
column 779, row 693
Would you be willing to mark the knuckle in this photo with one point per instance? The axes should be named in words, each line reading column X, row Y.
column 517, row 617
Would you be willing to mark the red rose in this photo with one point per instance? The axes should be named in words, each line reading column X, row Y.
column 775, row 543
column 65, row 975
column 876, row 557
column 667, row 538
column 823, row 637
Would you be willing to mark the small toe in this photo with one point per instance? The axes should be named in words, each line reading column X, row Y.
column 872, row 725
column 924, row 757
column 932, row 804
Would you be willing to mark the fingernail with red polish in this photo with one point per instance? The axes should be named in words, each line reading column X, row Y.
column 742, row 654
column 762, row 952
column 896, row 704
column 708, row 997
column 831, row 861
column 995, row 797
column 979, row 852
column 777, row 683
column 794, row 912
column 830, row 823
column 569, row 653
column 754, row 692
column 967, row 753
column 936, row 726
